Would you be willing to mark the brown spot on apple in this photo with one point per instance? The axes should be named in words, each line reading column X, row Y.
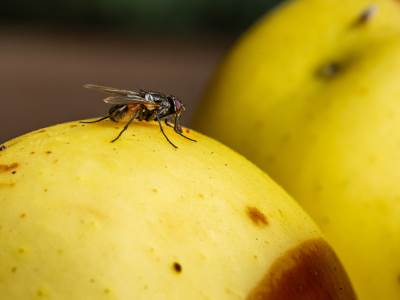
column 8, row 168
column 256, row 216
column 309, row 271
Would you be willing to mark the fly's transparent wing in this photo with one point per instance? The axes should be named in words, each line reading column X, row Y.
column 114, row 91
column 114, row 100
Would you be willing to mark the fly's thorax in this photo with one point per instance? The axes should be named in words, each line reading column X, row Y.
column 154, row 97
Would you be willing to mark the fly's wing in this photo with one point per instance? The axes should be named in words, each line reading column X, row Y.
column 151, row 105
column 114, row 91
column 123, row 96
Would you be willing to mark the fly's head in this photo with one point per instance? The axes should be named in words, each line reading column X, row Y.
column 179, row 108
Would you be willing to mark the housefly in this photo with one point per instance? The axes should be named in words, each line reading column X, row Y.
column 128, row 105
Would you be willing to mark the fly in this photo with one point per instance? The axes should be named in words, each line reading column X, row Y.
column 141, row 105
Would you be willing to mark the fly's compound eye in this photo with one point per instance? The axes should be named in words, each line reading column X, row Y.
column 179, row 107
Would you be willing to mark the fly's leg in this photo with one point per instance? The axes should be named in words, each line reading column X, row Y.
column 186, row 137
column 95, row 121
column 167, row 123
column 162, row 130
column 178, row 130
column 125, row 128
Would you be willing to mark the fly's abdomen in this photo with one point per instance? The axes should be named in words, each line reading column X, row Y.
column 118, row 112
column 146, row 115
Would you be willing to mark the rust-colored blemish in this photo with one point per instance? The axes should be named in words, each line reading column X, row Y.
column 73, row 126
column 48, row 152
column 14, row 172
column 8, row 168
column 32, row 152
column 22, row 216
column 187, row 130
column 309, row 271
column 256, row 216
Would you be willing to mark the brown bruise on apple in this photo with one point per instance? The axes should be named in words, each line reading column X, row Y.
column 309, row 271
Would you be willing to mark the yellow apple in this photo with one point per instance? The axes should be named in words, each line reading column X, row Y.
column 311, row 94
column 83, row 218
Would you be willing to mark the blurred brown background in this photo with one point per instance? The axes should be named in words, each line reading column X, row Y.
column 49, row 50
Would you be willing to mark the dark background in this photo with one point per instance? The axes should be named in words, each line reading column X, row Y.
column 49, row 49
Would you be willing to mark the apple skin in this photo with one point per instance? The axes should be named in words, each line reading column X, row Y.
column 311, row 95
column 83, row 218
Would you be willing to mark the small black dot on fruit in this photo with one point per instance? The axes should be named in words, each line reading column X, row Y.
column 177, row 267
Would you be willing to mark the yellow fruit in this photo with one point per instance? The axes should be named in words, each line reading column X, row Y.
column 311, row 94
column 83, row 218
